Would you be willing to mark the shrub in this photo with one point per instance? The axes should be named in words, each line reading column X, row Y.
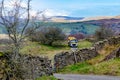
column 47, row 35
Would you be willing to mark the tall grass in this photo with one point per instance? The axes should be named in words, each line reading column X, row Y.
column 84, row 44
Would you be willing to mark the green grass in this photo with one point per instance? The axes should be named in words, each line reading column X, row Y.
column 47, row 78
column 111, row 67
column 84, row 44
column 36, row 48
column 75, row 68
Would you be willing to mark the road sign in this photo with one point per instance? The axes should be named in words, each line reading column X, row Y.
column 73, row 49
column 74, row 52
column 74, row 44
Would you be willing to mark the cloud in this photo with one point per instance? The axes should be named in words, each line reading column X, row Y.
column 49, row 13
column 52, row 12
column 9, row 4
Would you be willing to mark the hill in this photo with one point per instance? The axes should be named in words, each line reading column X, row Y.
column 114, row 24
column 78, row 19
column 64, row 19
column 85, row 27
column 72, row 25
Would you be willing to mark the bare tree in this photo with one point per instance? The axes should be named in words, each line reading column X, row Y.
column 15, row 18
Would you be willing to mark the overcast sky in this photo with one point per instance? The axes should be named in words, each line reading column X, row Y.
column 78, row 8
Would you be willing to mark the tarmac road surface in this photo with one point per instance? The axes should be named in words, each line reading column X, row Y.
column 85, row 77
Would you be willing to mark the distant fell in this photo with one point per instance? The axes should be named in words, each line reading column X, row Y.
column 79, row 19
column 64, row 19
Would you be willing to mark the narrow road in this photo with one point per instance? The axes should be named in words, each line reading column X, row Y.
column 84, row 77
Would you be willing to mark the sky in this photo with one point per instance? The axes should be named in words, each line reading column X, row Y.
column 77, row 8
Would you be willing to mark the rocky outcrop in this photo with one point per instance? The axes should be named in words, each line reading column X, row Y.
column 32, row 67
column 66, row 58
column 114, row 54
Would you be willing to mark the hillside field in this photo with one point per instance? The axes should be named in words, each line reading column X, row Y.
column 95, row 66
column 35, row 48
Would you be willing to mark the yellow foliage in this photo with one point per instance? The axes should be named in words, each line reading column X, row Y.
column 71, row 38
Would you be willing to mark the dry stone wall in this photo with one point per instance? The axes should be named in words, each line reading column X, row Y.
column 114, row 54
column 111, row 41
column 33, row 67
column 2, row 66
column 36, row 66
column 66, row 58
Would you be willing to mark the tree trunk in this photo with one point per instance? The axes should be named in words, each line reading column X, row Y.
column 16, row 49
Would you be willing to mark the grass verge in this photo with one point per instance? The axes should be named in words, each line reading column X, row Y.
column 111, row 67
column 47, row 78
